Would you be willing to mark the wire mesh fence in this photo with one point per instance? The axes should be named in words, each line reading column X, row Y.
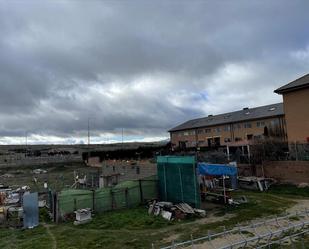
column 288, row 230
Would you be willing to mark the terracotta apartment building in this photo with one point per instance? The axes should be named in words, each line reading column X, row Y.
column 287, row 121
column 235, row 128
column 296, row 109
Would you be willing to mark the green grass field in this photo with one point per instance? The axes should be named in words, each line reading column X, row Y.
column 134, row 228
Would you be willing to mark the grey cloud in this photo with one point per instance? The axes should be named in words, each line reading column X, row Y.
column 53, row 55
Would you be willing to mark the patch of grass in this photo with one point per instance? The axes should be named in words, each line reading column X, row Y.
column 134, row 228
column 44, row 215
column 25, row 239
column 294, row 218
column 289, row 190
column 132, row 219
column 260, row 204
column 249, row 234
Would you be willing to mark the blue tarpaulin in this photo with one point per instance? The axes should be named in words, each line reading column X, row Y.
column 216, row 169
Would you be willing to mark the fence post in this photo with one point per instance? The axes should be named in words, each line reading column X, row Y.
column 126, row 192
column 54, row 206
column 75, row 204
column 57, row 209
column 192, row 242
column 296, row 151
column 112, row 199
column 141, row 191
column 93, row 200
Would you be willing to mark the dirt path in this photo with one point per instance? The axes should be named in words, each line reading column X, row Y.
column 255, row 232
column 302, row 204
column 54, row 241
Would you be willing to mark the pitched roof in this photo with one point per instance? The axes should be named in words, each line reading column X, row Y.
column 299, row 83
column 232, row 117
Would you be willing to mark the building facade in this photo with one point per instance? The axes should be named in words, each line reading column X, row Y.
column 234, row 129
column 296, row 108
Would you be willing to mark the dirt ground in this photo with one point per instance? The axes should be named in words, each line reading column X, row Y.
column 273, row 226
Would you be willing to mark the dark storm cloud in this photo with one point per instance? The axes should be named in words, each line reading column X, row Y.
column 142, row 66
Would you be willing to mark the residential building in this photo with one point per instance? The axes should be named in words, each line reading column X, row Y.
column 296, row 108
column 235, row 128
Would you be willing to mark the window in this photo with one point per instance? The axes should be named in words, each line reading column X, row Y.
column 227, row 128
column 260, row 124
column 238, row 126
column 200, row 131
column 207, row 130
column 217, row 129
column 226, row 140
column 238, row 139
column 258, row 137
column 247, row 125
column 274, row 122
column 192, row 132
column 186, row 133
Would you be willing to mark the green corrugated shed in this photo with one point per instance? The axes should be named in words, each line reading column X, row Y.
column 178, row 180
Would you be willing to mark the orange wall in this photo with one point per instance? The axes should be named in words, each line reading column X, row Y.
column 296, row 108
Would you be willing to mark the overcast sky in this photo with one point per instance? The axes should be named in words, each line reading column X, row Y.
column 141, row 66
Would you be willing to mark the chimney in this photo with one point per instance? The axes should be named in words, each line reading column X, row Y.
column 246, row 108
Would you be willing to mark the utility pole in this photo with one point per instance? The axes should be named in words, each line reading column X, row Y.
column 26, row 138
column 122, row 138
column 88, row 132
column 88, row 140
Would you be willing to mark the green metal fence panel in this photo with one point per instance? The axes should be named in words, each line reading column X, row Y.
column 119, row 200
column 149, row 189
column 72, row 199
column 178, row 180
column 124, row 195
column 103, row 200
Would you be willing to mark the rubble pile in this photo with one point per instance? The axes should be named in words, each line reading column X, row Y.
column 170, row 211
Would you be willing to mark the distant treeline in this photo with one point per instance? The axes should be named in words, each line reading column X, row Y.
column 130, row 154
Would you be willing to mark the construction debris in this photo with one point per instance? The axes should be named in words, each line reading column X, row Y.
column 39, row 171
column 18, row 207
column 82, row 216
column 255, row 183
column 166, row 215
column 185, row 208
column 169, row 211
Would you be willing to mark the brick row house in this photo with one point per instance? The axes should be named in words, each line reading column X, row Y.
column 234, row 128
column 287, row 121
